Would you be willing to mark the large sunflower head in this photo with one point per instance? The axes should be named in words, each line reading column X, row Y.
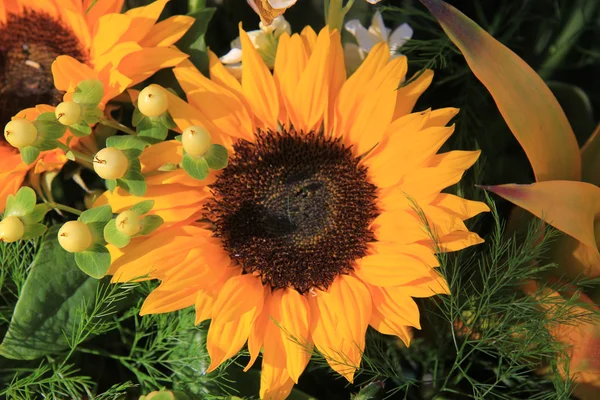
column 46, row 47
column 327, row 219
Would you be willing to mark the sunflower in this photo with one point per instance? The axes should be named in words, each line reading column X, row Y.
column 327, row 218
column 46, row 46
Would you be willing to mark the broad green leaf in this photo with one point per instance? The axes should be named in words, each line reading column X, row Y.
column 29, row 154
column 91, row 115
column 80, row 129
column 111, row 184
column 47, row 116
column 115, row 237
column 527, row 105
column 195, row 167
column 193, row 41
column 34, row 230
column 143, row 207
column 137, row 117
column 95, row 261
column 167, row 120
column 37, row 214
column 96, row 214
column 50, row 129
column 567, row 205
column 152, row 130
column 590, row 158
column 123, row 142
column 168, row 167
column 217, row 157
column 133, row 182
column 46, row 144
column 22, row 203
column 48, row 304
column 89, row 92
column 149, row 224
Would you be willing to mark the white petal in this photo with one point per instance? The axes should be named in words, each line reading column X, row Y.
column 366, row 40
column 255, row 36
column 236, row 43
column 233, row 57
column 373, row 1
column 378, row 27
column 353, row 57
column 281, row 3
column 400, row 36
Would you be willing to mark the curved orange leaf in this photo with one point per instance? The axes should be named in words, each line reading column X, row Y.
column 567, row 205
column 527, row 105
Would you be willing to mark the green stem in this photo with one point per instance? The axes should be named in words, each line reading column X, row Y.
column 88, row 160
column 118, row 126
column 62, row 207
column 336, row 12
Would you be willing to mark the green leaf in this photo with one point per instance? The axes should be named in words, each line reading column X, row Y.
column 37, row 214
column 50, row 129
column 46, row 144
column 195, row 167
column 96, row 214
column 132, row 154
column 217, row 157
column 89, row 92
column 143, row 207
column 531, row 111
column 70, row 155
column 80, row 129
column 21, row 204
column 137, row 117
column 47, row 116
column 91, row 115
column 133, row 182
column 29, row 154
column 193, row 42
column 95, row 261
column 167, row 120
column 48, row 303
column 168, row 167
column 111, row 184
column 179, row 138
column 152, row 130
column 33, row 231
column 149, row 224
column 125, row 142
column 115, row 237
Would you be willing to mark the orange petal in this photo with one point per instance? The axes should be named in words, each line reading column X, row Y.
column 336, row 79
column 409, row 94
column 257, row 334
column 290, row 313
column 464, row 208
column 258, row 84
column 68, row 72
column 396, row 305
column 454, row 241
column 526, row 103
column 441, row 116
column 108, row 32
column 568, row 206
column 94, row 10
column 338, row 334
column 167, row 32
column 142, row 20
column 237, row 307
column 144, row 63
column 161, row 301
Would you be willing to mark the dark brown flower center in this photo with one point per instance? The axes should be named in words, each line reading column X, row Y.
column 29, row 43
column 294, row 208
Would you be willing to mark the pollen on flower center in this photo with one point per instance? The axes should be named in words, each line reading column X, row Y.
column 294, row 208
column 29, row 43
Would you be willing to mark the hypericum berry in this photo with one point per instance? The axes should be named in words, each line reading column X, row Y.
column 67, row 112
column 196, row 141
column 20, row 133
column 153, row 101
column 110, row 163
column 75, row 236
column 11, row 229
column 129, row 222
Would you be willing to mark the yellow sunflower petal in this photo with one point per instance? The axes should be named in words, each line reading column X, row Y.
column 258, row 85
column 455, row 241
column 395, row 269
column 12, row 173
column 338, row 334
column 462, row 207
column 144, row 63
column 290, row 62
column 143, row 19
column 409, row 94
column 290, row 311
column 427, row 286
column 67, row 70
column 113, row 57
column 457, row 159
column 309, row 38
column 441, row 116
column 388, row 327
column 395, row 304
column 207, row 295
column 109, row 30
column 163, row 301
column 94, row 10
column 167, row 32
column 220, row 75
column 426, row 183
column 238, row 305
column 337, row 77
column 400, row 226
column 257, row 334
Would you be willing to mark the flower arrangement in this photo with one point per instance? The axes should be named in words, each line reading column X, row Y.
column 293, row 212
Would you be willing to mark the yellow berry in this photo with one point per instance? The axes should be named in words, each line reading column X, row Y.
column 153, row 101
column 11, row 229
column 110, row 163
column 20, row 133
column 129, row 223
column 75, row 236
column 68, row 113
column 196, row 141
